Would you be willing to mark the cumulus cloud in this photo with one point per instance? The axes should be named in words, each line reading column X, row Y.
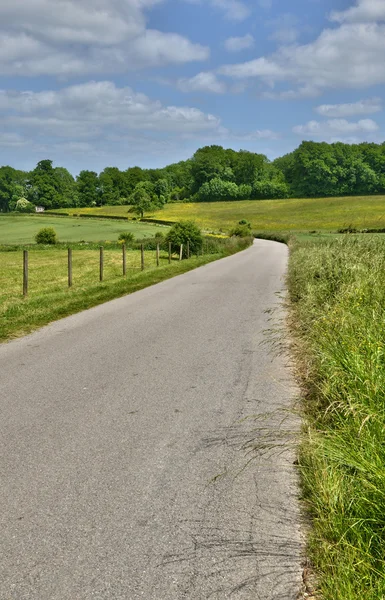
column 351, row 55
column 363, row 107
column 97, row 109
column 363, row 12
column 202, row 82
column 236, row 44
column 336, row 128
column 85, row 37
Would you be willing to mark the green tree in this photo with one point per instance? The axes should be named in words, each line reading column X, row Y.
column 24, row 206
column 88, row 190
column 183, row 232
column 44, row 185
column 143, row 199
column 66, row 187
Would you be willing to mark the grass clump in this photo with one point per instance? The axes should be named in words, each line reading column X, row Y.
column 337, row 289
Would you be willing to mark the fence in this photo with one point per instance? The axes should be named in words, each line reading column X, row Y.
column 144, row 262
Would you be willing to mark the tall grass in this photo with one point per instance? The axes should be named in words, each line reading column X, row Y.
column 337, row 289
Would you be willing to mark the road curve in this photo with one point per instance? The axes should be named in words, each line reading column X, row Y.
column 125, row 438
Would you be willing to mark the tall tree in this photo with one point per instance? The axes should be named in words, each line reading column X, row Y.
column 88, row 190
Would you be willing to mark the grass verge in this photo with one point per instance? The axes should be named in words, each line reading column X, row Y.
column 50, row 299
column 337, row 291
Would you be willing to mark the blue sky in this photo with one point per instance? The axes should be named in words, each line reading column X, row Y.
column 123, row 82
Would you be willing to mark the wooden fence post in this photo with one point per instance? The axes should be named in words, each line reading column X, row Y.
column 142, row 256
column 169, row 253
column 101, row 265
column 25, row 272
column 69, row 267
column 157, row 255
column 181, row 252
column 124, row 260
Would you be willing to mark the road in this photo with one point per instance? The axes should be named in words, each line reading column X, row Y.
column 146, row 445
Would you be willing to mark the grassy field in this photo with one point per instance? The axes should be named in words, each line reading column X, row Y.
column 21, row 229
column 323, row 214
column 337, row 290
column 49, row 297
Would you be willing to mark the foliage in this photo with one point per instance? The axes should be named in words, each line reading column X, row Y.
column 183, row 232
column 126, row 237
column 88, row 188
column 242, row 231
column 212, row 174
column 46, row 235
column 24, row 206
column 337, row 289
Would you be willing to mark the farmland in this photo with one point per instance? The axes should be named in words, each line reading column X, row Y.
column 323, row 214
column 21, row 229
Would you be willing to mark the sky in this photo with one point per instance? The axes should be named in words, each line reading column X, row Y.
column 96, row 83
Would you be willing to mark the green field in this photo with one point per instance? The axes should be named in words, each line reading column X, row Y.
column 21, row 229
column 324, row 214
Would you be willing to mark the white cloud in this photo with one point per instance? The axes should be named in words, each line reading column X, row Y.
column 97, row 109
column 336, row 128
column 236, row 44
column 203, row 82
column 349, row 56
column 363, row 107
column 363, row 12
column 76, row 38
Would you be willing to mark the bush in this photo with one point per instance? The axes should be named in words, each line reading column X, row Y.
column 126, row 237
column 244, row 222
column 242, row 231
column 183, row 232
column 47, row 235
column 159, row 236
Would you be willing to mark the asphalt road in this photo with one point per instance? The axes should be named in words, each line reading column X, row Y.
column 126, row 432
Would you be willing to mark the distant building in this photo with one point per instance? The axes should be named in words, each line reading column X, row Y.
column 39, row 209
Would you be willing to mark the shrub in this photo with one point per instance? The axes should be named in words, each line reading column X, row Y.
column 242, row 231
column 159, row 236
column 47, row 235
column 183, row 232
column 126, row 237
column 244, row 222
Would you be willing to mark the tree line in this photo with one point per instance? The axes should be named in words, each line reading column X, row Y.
column 212, row 174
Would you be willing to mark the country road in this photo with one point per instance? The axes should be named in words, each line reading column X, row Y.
column 125, row 438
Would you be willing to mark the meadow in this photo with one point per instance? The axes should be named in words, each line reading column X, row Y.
column 295, row 215
column 21, row 229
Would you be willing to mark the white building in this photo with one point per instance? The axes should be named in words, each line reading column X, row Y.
column 39, row 209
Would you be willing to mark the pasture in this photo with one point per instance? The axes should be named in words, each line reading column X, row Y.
column 296, row 215
column 21, row 229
